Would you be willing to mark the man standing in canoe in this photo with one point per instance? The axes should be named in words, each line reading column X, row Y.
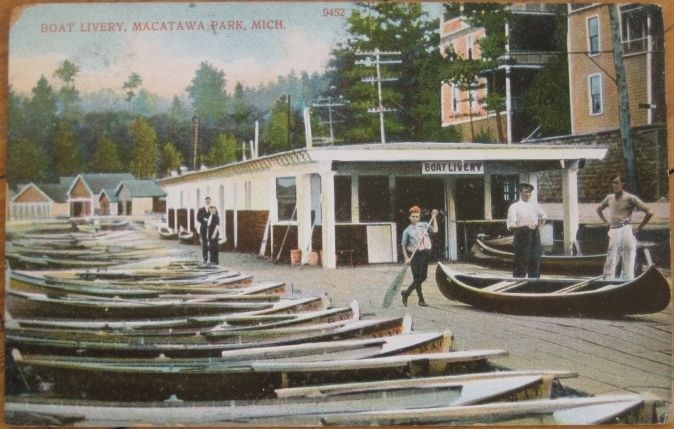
column 524, row 219
column 202, row 217
column 416, row 247
column 621, row 240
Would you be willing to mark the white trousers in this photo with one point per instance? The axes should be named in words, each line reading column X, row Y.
column 621, row 245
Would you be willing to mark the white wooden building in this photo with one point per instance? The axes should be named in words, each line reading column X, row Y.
column 351, row 201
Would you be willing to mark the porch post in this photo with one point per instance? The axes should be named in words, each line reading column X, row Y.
column 487, row 196
column 451, row 239
column 328, row 217
column 355, row 201
column 570, row 204
column 303, row 182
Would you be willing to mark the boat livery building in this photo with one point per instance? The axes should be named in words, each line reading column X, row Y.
column 350, row 202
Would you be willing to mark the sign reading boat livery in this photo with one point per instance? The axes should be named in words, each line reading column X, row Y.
column 452, row 167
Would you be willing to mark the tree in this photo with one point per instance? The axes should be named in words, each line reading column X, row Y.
column 177, row 111
column 170, row 159
column 222, row 151
column 278, row 134
column 27, row 162
column 106, row 157
column 68, row 95
column 41, row 115
column 208, row 94
column 131, row 85
column 144, row 104
column 241, row 115
column 67, row 158
column 16, row 115
column 145, row 152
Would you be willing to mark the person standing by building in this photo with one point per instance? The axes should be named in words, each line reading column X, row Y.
column 416, row 247
column 622, row 242
column 524, row 219
column 213, row 235
column 202, row 217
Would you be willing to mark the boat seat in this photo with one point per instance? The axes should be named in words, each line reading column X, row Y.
column 504, row 285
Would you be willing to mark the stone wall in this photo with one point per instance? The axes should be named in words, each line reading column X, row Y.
column 650, row 151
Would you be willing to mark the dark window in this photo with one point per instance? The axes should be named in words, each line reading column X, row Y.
column 286, row 197
column 634, row 29
column 504, row 192
column 593, row 34
column 595, row 95
column 373, row 199
column 343, row 198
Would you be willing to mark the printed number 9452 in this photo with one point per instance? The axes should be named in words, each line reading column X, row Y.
column 333, row 11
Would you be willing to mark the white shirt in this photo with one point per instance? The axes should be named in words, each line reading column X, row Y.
column 521, row 214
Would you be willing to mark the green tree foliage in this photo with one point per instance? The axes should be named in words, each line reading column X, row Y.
column 131, row 85
column 106, row 157
column 275, row 134
column 27, row 162
column 403, row 27
column 145, row 152
column 241, row 115
column 41, row 115
column 170, row 159
column 208, row 94
column 68, row 95
column 67, row 158
column 144, row 103
column 16, row 115
column 222, row 151
column 177, row 111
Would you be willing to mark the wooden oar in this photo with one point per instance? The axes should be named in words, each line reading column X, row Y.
column 577, row 286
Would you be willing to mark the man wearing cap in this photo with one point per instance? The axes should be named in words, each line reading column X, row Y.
column 621, row 240
column 524, row 218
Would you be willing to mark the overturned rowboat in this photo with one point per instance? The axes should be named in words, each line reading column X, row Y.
column 648, row 293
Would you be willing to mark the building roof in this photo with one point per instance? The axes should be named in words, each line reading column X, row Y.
column 140, row 188
column 24, row 188
column 110, row 193
column 99, row 181
column 403, row 152
column 58, row 192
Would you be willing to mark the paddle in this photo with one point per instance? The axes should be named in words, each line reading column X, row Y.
column 398, row 280
column 285, row 236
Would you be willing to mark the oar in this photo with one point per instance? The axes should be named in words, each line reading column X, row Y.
column 398, row 280
column 278, row 255
column 578, row 285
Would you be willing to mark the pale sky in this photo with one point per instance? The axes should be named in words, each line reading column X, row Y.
column 166, row 58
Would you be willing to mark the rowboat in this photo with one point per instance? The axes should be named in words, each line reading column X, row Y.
column 280, row 311
column 120, row 345
column 187, row 237
column 415, row 393
column 648, row 293
column 229, row 378
column 586, row 264
column 166, row 233
column 626, row 408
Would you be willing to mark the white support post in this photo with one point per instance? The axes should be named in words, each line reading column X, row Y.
column 328, row 226
column 355, row 200
column 450, row 222
column 487, row 196
column 303, row 182
column 533, row 180
column 570, row 204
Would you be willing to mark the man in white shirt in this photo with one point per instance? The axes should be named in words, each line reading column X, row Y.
column 524, row 219
column 622, row 244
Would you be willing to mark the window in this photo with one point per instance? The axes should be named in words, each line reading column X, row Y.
column 343, row 198
column 286, row 197
column 593, row 35
column 576, row 6
column 455, row 99
column 596, row 102
column 374, row 199
column 634, row 34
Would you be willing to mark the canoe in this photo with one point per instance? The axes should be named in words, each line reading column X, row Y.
column 188, row 237
column 579, row 264
column 648, row 293
column 279, row 311
column 415, row 393
column 110, row 345
column 221, row 379
column 166, row 233
column 626, row 408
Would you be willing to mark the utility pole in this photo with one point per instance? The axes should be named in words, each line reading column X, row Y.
column 329, row 103
column 624, row 116
column 377, row 63
column 195, row 139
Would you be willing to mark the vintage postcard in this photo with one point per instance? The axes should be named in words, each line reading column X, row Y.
column 332, row 213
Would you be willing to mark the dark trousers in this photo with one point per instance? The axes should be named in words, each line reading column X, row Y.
column 419, row 267
column 204, row 243
column 528, row 251
column 214, row 251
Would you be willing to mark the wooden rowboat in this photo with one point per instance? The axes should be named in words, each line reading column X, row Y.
column 166, row 233
column 415, row 393
column 584, row 264
column 627, row 408
column 648, row 293
column 111, row 345
column 228, row 378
